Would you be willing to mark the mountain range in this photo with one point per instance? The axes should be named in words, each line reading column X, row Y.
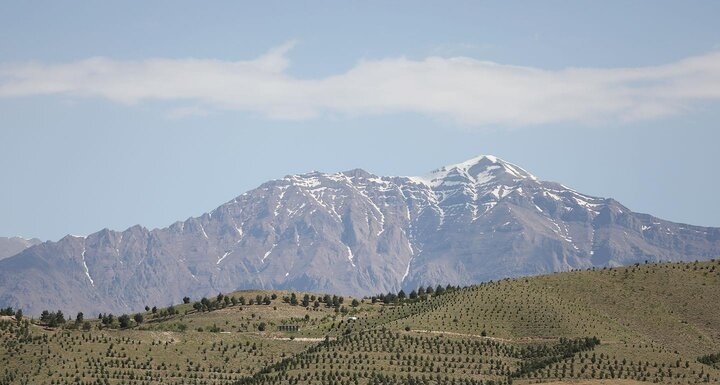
column 351, row 233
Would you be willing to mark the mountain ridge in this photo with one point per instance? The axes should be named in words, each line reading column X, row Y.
column 10, row 246
column 352, row 233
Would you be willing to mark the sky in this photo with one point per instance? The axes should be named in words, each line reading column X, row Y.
column 116, row 114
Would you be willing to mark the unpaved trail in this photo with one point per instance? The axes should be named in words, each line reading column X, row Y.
column 303, row 339
column 523, row 339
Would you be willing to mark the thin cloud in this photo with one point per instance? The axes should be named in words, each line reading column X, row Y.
column 463, row 89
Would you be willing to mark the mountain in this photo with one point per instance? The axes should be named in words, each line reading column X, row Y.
column 352, row 233
column 13, row 245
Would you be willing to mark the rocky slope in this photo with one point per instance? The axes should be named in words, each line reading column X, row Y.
column 351, row 233
column 13, row 245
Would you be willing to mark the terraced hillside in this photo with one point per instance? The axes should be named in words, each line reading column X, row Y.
column 653, row 322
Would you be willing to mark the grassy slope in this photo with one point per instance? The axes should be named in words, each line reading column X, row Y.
column 653, row 321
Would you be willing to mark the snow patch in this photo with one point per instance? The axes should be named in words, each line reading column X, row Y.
column 350, row 256
column 262, row 260
column 87, row 271
column 223, row 257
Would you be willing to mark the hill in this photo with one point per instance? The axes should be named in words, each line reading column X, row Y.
column 352, row 233
column 648, row 323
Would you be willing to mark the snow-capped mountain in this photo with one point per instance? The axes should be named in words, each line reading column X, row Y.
column 351, row 233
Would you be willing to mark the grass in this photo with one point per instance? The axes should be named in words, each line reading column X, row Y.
column 654, row 321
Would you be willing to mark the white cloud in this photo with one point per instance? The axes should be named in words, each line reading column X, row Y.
column 463, row 89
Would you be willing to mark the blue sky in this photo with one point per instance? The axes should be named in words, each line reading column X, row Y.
column 118, row 114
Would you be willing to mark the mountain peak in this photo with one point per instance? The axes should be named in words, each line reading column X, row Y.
column 480, row 170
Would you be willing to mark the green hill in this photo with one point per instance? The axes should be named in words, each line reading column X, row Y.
column 653, row 324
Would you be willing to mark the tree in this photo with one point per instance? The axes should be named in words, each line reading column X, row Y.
column 401, row 294
column 413, row 294
column 186, row 299
column 261, row 326
column 108, row 319
column 154, row 309
column 138, row 318
column 293, row 299
column 124, row 321
column 306, row 300
column 18, row 315
column 52, row 319
column 86, row 326
column 79, row 318
column 355, row 302
column 59, row 317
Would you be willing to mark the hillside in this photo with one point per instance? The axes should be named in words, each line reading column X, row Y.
column 653, row 322
column 352, row 233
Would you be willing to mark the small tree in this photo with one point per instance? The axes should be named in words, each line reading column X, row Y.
column 18, row 315
column 79, row 318
column 355, row 302
column 261, row 326
column 186, row 299
column 138, row 318
column 124, row 321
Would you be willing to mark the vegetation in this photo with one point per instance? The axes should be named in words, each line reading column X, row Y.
column 647, row 323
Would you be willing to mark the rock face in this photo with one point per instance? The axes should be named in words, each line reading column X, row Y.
column 13, row 245
column 351, row 233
